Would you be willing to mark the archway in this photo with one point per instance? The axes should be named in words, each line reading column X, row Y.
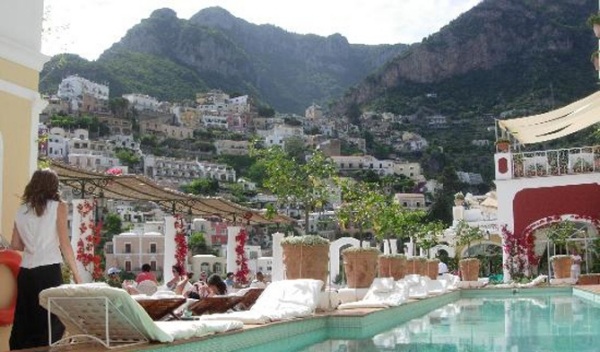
column 334, row 254
column 585, row 232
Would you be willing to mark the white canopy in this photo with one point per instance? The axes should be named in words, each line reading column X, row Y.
column 554, row 124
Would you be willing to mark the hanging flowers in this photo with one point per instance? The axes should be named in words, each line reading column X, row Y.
column 180, row 241
column 520, row 253
column 89, row 238
column 242, row 273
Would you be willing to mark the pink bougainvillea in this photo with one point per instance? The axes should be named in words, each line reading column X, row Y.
column 87, row 243
column 241, row 275
column 519, row 253
column 181, row 248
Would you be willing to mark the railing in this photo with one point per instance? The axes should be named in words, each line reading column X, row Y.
column 558, row 162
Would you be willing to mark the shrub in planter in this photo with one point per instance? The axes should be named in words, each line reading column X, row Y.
column 306, row 257
column 360, row 266
column 469, row 269
column 392, row 265
column 432, row 268
column 416, row 265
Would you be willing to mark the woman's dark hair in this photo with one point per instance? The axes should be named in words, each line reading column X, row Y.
column 42, row 187
column 178, row 269
column 146, row 267
column 216, row 281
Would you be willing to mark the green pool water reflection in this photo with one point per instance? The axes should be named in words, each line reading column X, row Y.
column 545, row 323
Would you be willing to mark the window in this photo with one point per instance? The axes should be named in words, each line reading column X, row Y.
column 127, row 247
column 152, row 247
column 127, row 265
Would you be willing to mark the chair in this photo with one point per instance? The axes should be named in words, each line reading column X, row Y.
column 214, row 304
column 147, row 287
column 249, row 297
column 159, row 308
column 111, row 317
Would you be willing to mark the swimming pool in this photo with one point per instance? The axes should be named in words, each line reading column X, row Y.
column 545, row 322
column 468, row 320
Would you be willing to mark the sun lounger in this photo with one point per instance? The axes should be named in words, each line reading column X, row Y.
column 383, row 293
column 160, row 307
column 214, row 304
column 111, row 317
column 249, row 297
column 285, row 299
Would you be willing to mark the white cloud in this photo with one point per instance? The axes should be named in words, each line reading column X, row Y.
column 89, row 27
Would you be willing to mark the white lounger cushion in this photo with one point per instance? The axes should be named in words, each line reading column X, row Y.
column 380, row 295
column 137, row 316
column 280, row 300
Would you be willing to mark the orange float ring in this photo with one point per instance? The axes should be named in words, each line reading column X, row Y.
column 12, row 259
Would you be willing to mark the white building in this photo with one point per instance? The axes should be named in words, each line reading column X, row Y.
column 279, row 134
column 141, row 101
column 82, row 94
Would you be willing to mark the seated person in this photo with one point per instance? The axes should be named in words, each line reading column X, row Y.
column 214, row 286
column 229, row 281
column 259, row 282
column 113, row 279
column 180, row 282
column 145, row 274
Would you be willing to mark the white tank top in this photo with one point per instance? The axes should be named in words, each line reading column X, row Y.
column 39, row 235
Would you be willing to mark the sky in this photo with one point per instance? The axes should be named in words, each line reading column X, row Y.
column 88, row 27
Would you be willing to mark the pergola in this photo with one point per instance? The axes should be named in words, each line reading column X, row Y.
column 87, row 184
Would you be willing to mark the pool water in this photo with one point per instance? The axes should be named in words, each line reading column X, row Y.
column 545, row 323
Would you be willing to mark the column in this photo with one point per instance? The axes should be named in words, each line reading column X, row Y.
column 277, row 265
column 169, row 257
column 232, row 231
column 77, row 219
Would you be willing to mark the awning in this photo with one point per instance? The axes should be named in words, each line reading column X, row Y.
column 554, row 124
column 135, row 187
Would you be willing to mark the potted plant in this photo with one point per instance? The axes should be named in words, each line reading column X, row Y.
column 503, row 145
column 558, row 234
column 387, row 220
column 594, row 22
column 465, row 235
column 306, row 257
column 360, row 203
column 427, row 238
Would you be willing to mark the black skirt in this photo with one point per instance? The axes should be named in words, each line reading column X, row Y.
column 30, row 326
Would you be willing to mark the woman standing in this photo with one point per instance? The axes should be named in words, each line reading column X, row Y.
column 40, row 231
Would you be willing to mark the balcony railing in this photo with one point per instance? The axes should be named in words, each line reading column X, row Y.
column 558, row 162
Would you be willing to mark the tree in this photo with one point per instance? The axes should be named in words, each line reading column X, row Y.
column 112, row 224
column 197, row 244
column 127, row 157
column 361, row 202
column 429, row 234
column 307, row 185
column 202, row 186
column 466, row 234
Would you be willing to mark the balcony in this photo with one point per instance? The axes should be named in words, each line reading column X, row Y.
column 558, row 162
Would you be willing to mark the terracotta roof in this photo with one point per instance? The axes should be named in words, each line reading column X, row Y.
column 137, row 187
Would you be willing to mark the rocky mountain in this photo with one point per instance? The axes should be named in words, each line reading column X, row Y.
column 502, row 54
column 173, row 58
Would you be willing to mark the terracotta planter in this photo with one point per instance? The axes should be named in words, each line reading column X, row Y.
column 360, row 267
column 589, row 279
column 392, row 267
column 432, row 268
column 416, row 265
column 469, row 269
column 503, row 147
column 561, row 266
column 306, row 262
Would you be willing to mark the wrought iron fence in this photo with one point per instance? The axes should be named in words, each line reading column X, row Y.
column 557, row 162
